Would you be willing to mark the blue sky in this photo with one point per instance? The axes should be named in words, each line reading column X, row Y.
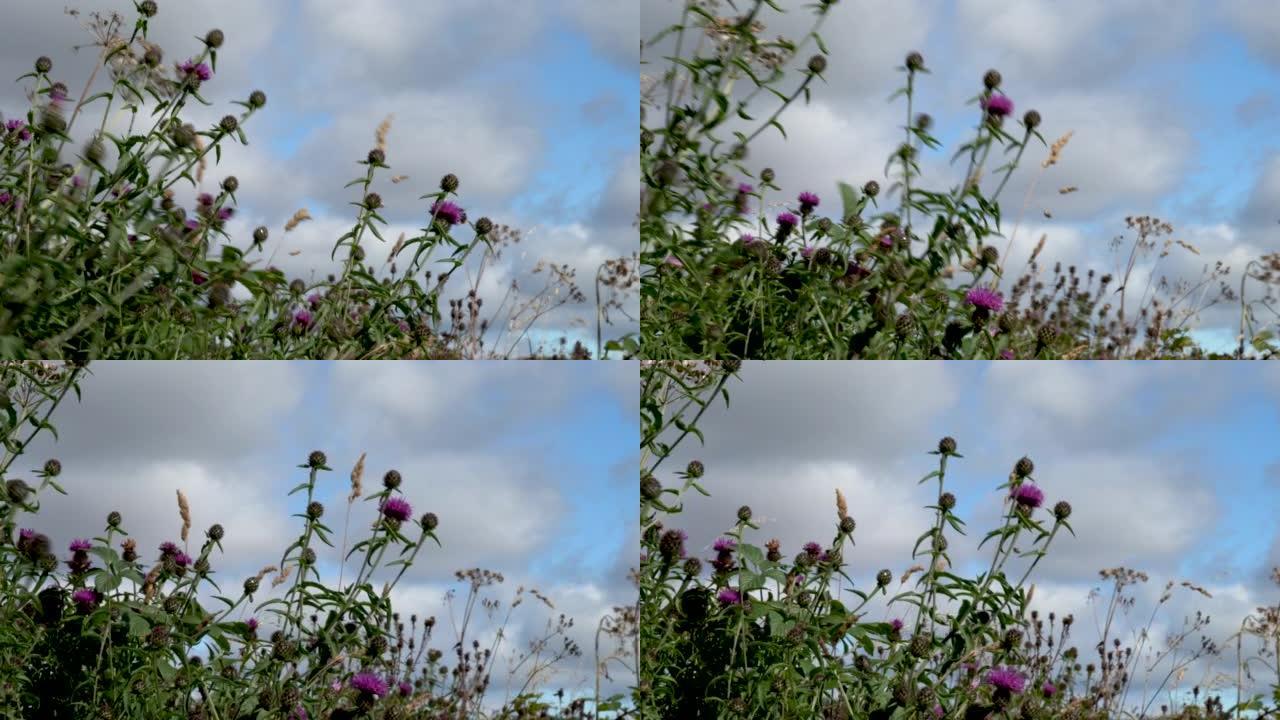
column 530, row 468
column 1170, row 469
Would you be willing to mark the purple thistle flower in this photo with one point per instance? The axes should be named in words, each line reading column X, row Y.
column 369, row 684
column 77, row 181
column 1007, row 354
column 182, row 559
column 205, row 199
column 253, row 624
column 5, row 198
column 199, row 70
column 745, row 189
column 788, row 220
column 807, row 251
column 448, row 212
column 1048, row 689
column 192, row 224
column 673, row 261
column 79, row 545
column 198, row 278
column 748, row 240
column 724, row 545
column 984, row 298
column 1006, row 679
column 404, row 326
column 812, row 549
column 25, row 534
column 937, row 711
column 299, row 713
column 896, row 624
column 226, row 213
column 998, row 105
column 57, row 94
column 729, row 596
column 397, row 509
column 886, row 241
column 314, row 300
column 14, row 124
column 405, row 688
column 85, row 599
column 303, row 319
column 808, row 201
column 1028, row 496
column 169, row 548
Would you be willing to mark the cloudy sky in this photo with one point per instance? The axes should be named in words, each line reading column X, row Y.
column 532, row 105
column 1171, row 469
column 1174, row 106
column 530, row 468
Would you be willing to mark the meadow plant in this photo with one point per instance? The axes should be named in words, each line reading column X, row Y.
column 756, row 630
column 99, row 258
column 105, row 628
column 730, row 269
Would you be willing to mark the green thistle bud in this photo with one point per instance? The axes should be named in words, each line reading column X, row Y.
column 1062, row 510
column 693, row 567
column 376, row 157
column 250, row 586
column 923, row 122
column 17, row 491
column 148, row 8
column 1031, row 119
column 920, row 646
column 695, row 469
column 871, row 189
column 483, row 226
column 667, row 172
column 308, row 557
column 744, row 513
column 317, row 459
column 847, row 525
column 990, row 255
column 114, row 519
column 883, row 577
column 229, row 123
column 391, row 480
column 231, row 183
column 946, row 501
column 43, row 65
column 1024, row 467
column 260, row 235
column 449, row 183
column 430, row 521
column 94, row 150
column 817, row 64
column 373, row 201
column 257, row 99
column 650, row 487
column 315, row 510
column 1046, row 335
column 646, row 138
column 51, row 119
column 767, row 175
column 915, row 62
column 214, row 38
column 216, row 532
column 947, row 445
column 992, row 79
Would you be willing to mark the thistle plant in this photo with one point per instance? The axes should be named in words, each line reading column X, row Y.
column 98, row 258
column 731, row 269
column 106, row 628
column 757, row 630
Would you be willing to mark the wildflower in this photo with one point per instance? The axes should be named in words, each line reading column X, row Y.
column 299, row 713
column 871, row 189
column 85, row 599
column 1048, row 689
column 77, row 182
column 817, row 64
column 168, row 549
column 1027, row 496
column 80, row 545
column 397, row 509
column 429, row 521
column 787, row 220
column 214, row 38
column 1024, row 467
column 302, row 320
column 449, row 183
column 1062, row 510
column 984, row 298
column 671, row 545
column 369, row 684
column 1007, row 354
column 182, row 559
column 992, row 79
column 807, row 251
column 1006, row 680
column 405, row 688
column 448, row 212
column 812, row 549
column 883, row 577
column 198, row 277
column 5, row 198
column 694, row 469
column 997, row 105
column 226, row 213
column 20, row 128
column 200, row 71
column 1031, row 119
column 43, row 64
column 724, row 545
column 808, row 201
column 252, row 624
column 257, row 99
column 192, row 224
column 673, row 261
column 729, row 596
